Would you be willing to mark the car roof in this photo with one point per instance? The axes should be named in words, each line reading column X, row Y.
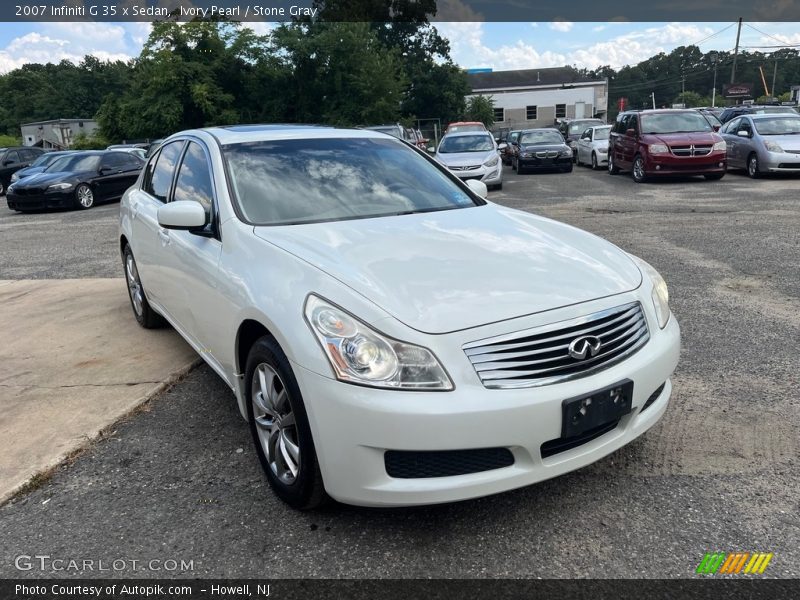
column 468, row 134
column 553, row 129
column 238, row 134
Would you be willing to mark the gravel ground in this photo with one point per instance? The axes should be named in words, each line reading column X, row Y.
column 719, row 473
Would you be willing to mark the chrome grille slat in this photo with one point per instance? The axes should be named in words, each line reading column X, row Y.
column 522, row 363
column 490, row 346
column 540, row 356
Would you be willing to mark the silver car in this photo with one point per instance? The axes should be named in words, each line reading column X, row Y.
column 592, row 147
column 766, row 143
column 472, row 155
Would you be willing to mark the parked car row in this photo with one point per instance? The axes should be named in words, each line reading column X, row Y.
column 76, row 179
column 14, row 159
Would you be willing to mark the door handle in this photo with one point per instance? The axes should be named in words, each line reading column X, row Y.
column 163, row 235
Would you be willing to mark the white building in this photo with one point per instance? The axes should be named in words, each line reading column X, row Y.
column 58, row 134
column 537, row 97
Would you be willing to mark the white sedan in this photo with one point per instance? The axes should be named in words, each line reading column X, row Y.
column 392, row 337
column 592, row 147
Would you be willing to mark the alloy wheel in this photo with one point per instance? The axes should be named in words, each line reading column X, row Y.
column 752, row 166
column 638, row 169
column 85, row 196
column 134, row 285
column 276, row 424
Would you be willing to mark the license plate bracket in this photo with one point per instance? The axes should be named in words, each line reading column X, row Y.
column 584, row 413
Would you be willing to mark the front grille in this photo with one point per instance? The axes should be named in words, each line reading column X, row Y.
column 540, row 356
column 563, row 444
column 547, row 154
column 402, row 464
column 466, row 168
column 653, row 397
column 691, row 150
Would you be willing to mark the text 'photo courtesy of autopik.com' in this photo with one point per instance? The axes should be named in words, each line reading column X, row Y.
column 393, row 299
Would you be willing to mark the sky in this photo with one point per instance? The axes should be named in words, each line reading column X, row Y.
column 500, row 46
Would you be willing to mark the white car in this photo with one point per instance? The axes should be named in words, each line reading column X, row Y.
column 592, row 147
column 392, row 337
column 472, row 155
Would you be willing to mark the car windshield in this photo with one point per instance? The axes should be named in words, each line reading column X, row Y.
column 578, row 127
column 778, row 126
column 465, row 128
column 466, row 143
column 601, row 133
column 390, row 130
column 285, row 182
column 545, row 136
column 513, row 136
column 775, row 109
column 46, row 159
column 675, row 123
column 75, row 163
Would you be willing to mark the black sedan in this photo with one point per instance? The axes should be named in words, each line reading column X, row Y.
column 542, row 149
column 79, row 180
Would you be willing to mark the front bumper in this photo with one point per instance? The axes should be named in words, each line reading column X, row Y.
column 667, row 164
column 544, row 163
column 355, row 426
column 40, row 201
column 780, row 162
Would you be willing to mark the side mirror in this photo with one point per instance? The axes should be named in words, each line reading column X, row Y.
column 431, row 149
column 743, row 133
column 182, row 214
column 8, row 162
column 478, row 187
column 502, row 146
column 716, row 127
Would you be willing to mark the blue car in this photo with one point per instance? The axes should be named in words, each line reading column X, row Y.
column 39, row 165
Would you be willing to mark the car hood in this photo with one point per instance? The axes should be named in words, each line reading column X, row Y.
column 456, row 269
column 787, row 142
column 542, row 147
column 29, row 171
column 46, row 178
column 699, row 137
column 465, row 159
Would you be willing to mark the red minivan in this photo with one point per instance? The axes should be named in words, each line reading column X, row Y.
column 651, row 143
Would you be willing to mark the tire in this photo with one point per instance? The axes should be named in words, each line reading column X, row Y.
column 84, row 197
column 637, row 170
column 568, row 169
column 145, row 315
column 514, row 165
column 752, row 166
column 2, row 188
column 280, row 429
column 578, row 159
column 594, row 161
column 498, row 187
column 520, row 170
column 714, row 176
column 612, row 168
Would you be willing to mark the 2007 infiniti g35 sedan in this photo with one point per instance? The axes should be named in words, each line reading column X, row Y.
column 391, row 336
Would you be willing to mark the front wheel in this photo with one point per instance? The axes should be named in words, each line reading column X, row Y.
column 753, row 169
column 84, row 197
column 638, row 172
column 612, row 168
column 594, row 161
column 2, row 188
column 280, row 429
column 145, row 315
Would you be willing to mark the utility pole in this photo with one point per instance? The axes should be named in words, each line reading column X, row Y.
column 774, row 76
column 714, row 57
column 736, row 51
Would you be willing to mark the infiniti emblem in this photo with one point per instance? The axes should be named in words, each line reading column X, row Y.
column 584, row 346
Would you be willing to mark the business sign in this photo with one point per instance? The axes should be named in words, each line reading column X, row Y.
column 737, row 90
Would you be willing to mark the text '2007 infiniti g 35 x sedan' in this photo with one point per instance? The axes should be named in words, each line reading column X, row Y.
column 391, row 336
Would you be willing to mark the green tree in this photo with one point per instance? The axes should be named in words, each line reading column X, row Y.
column 480, row 108
column 93, row 142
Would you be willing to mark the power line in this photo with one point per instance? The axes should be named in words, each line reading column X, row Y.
column 769, row 36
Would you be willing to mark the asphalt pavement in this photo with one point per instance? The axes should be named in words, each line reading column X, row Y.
column 180, row 481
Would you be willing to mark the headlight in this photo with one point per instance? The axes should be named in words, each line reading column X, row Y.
column 565, row 153
column 14, row 177
column 59, row 187
column 527, row 155
column 359, row 354
column 491, row 162
column 658, row 149
column 720, row 146
column 773, row 147
column 660, row 293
